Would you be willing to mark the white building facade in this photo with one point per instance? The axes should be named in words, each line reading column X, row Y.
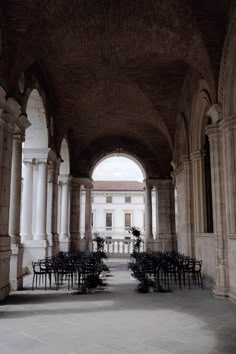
column 117, row 205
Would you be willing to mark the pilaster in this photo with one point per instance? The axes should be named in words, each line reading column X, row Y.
column 221, row 248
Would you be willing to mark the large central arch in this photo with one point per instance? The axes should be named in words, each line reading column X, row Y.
column 121, row 154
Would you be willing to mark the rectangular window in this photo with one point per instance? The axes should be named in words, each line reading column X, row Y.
column 127, row 220
column 108, row 221
column 127, row 199
column 108, row 199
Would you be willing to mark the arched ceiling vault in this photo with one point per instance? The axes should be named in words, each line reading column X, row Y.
column 115, row 68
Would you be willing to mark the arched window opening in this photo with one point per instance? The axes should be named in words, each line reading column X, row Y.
column 208, row 188
column 118, row 200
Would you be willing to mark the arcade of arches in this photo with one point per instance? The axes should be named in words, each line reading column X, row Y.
column 80, row 81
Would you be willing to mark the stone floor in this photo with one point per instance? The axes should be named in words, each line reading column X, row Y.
column 117, row 320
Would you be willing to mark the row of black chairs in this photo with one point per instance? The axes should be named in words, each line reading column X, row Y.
column 81, row 269
column 167, row 268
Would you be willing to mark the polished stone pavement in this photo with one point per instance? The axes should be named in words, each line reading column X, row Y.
column 117, row 320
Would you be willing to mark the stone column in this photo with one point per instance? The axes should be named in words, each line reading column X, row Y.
column 148, row 216
column 221, row 249
column 26, row 216
column 75, row 214
column 188, row 210
column 16, row 278
column 165, row 215
column 228, row 128
column 52, row 205
column 199, row 193
column 6, row 132
column 88, row 215
column 64, row 226
column 41, row 206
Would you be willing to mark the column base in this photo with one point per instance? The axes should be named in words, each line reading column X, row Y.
column 232, row 293
column 33, row 251
column 85, row 245
column 166, row 242
column 16, row 263
column 64, row 245
column 5, row 254
column 221, row 292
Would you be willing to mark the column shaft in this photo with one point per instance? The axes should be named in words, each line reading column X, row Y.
column 221, row 248
column 148, row 213
column 88, row 215
column 15, row 194
column 64, row 226
column 166, row 215
column 41, row 206
column 75, row 214
column 26, row 217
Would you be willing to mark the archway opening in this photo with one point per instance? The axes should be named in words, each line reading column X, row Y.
column 118, row 199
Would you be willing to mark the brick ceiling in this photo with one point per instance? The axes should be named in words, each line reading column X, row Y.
column 113, row 70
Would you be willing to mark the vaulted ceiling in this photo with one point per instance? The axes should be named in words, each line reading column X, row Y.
column 113, row 71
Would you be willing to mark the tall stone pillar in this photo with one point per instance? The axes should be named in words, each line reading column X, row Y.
column 165, row 215
column 88, row 216
column 228, row 127
column 221, row 248
column 41, row 206
column 199, row 193
column 52, row 206
column 75, row 214
column 148, row 216
column 26, row 216
column 6, row 132
column 16, row 277
column 64, row 225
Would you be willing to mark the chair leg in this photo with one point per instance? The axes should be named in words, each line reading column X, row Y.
column 33, row 281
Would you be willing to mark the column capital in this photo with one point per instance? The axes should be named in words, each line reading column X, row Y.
column 64, row 179
column 86, row 182
column 197, row 155
column 215, row 113
column 212, row 130
column 149, row 182
column 229, row 123
column 164, row 183
column 19, row 136
column 39, row 155
column 75, row 182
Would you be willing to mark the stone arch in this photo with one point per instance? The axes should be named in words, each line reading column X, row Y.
column 37, row 134
column 227, row 78
column 201, row 103
column 127, row 155
column 65, row 158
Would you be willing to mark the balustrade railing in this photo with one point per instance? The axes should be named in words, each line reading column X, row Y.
column 118, row 248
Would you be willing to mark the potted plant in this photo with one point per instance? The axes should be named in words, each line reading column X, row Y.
column 137, row 238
